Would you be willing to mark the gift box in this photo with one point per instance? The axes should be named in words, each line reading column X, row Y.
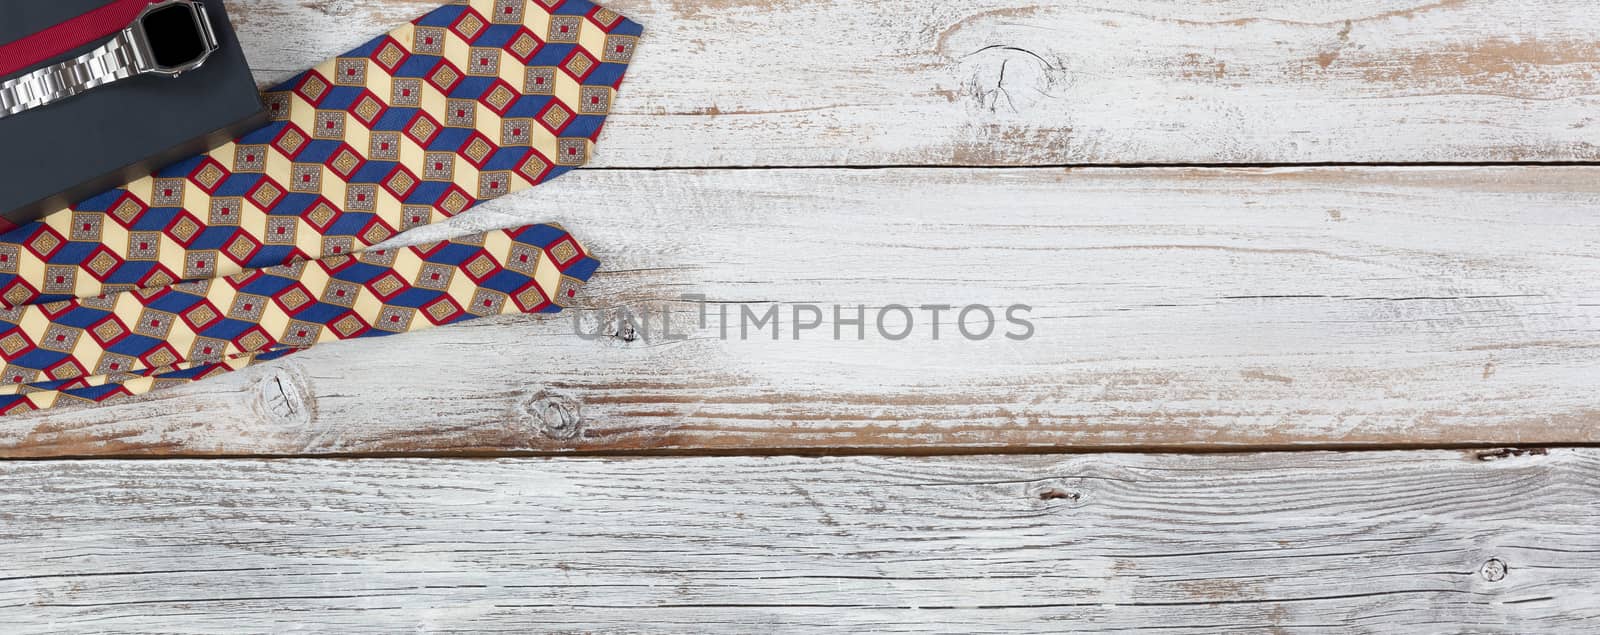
column 58, row 154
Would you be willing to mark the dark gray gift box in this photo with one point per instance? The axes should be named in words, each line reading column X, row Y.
column 57, row 155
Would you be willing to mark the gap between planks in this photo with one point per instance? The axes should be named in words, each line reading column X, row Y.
column 1481, row 451
column 1108, row 166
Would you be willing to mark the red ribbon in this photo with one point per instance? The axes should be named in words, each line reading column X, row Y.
column 84, row 29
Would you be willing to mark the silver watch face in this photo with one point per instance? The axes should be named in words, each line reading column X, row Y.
column 176, row 35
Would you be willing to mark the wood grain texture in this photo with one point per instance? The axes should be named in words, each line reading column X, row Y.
column 1027, row 82
column 1356, row 542
column 1172, row 307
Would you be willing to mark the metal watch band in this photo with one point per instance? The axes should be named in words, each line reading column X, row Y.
column 112, row 61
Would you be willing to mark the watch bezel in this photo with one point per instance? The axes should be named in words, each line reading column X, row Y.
column 141, row 39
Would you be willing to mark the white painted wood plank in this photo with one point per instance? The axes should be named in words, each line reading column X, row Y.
column 1011, row 82
column 1359, row 542
column 1174, row 307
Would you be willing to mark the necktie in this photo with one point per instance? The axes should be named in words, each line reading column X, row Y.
column 262, row 246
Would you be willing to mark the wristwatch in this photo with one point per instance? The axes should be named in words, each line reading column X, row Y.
column 168, row 38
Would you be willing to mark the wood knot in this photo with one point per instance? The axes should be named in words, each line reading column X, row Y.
column 1055, row 492
column 282, row 399
column 556, row 415
column 1012, row 79
column 1494, row 570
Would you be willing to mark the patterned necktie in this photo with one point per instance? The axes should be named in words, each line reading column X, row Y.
column 261, row 247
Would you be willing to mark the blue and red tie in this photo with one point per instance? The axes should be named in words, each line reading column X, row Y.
column 263, row 246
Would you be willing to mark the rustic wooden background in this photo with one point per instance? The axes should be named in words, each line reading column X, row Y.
column 1354, row 244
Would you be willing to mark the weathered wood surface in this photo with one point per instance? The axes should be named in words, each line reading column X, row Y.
column 1173, row 307
column 1011, row 82
column 1438, row 541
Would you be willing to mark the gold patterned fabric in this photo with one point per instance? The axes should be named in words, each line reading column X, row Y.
column 262, row 247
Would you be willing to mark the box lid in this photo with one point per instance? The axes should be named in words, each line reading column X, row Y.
column 56, row 155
